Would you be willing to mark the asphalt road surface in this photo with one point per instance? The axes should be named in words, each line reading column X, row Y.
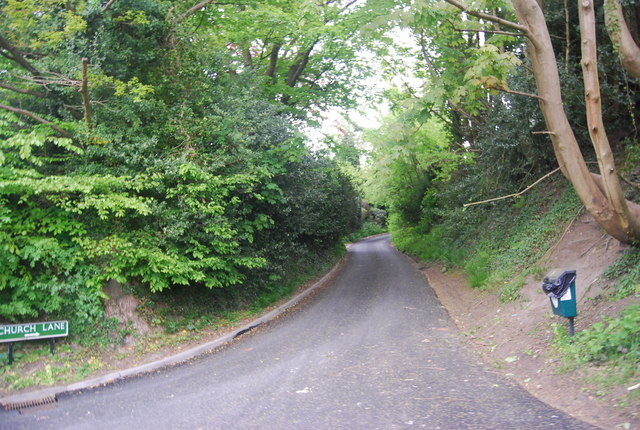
column 374, row 349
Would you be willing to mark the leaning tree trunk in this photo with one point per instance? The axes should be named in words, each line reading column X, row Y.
column 620, row 35
column 602, row 196
column 609, row 177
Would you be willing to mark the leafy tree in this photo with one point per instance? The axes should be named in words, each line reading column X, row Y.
column 129, row 153
column 411, row 155
column 601, row 194
column 306, row 50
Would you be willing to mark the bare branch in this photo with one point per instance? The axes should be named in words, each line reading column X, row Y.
column 516, row 194
column 57, row 79
column 491, row 18
column 106, row 6
column 61, row 131
column 518, row 93
column 505, row 33
column 22, row 91
column 17, row 56
column 630, row 182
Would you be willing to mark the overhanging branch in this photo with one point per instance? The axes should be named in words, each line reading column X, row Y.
column 17, row 56
column 491, row 18
column 500, row 32
column 518, row 93
column 466, row 205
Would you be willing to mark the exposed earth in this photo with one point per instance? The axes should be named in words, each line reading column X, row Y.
column 516, row 337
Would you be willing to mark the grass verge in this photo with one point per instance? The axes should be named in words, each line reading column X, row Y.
column 497, row 249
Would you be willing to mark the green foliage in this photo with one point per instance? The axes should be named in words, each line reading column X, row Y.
column 319, row 206
column 411, row 154
column 321, row 203
column 496, row 248
column 626, row 272
column 478, row 269
column 183, row 175
column 308, row 52
column 614, row 341
column 464, row 76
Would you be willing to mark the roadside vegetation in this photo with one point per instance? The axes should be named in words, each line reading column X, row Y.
column 157, row 146
column 145, row 145
column 467, row 166
column 607, row 353
column 143, row 152
column 179, row 318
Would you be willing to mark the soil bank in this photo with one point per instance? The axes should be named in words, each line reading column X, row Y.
column 516, row 337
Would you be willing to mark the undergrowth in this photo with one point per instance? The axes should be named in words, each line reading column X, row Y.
column 368, row 228
column 498, row 247
column 626, row 270
column 610, row 347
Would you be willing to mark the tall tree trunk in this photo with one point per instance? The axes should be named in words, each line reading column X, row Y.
column 601, row 194
column 273, row 61
column 609, row 175
column 564, row 141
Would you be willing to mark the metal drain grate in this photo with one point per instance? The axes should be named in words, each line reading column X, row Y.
column 19, row 406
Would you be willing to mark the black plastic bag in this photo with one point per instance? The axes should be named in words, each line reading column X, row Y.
column 557, row 286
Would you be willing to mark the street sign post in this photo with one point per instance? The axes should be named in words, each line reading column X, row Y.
column 10, row 333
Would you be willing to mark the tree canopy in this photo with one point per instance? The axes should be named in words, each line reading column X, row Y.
column 479, row 61
column 136, row 148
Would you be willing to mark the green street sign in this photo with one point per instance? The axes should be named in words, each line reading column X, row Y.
column 33, row 331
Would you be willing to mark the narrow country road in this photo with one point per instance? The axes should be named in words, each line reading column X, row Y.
column 372, row 350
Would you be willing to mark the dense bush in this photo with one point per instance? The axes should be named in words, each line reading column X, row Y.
column 183, row 175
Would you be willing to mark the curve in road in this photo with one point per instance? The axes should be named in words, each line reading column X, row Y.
column 372, row 350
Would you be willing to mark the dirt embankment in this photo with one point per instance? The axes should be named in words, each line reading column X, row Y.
column 516, row 337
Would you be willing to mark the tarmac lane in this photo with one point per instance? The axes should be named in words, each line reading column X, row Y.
column 374, row 349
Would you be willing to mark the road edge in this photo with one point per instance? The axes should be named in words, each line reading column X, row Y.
column 22, row 400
